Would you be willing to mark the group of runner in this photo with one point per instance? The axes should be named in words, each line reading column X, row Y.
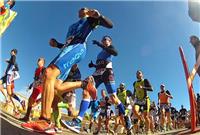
column 61, row 77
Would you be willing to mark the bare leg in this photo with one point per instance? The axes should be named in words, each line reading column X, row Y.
column 67, row 86
column 147, row 120
column 9, row 91
column 48, row 90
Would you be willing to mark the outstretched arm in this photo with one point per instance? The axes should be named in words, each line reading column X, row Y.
column 91, row 64
column 102, row 20
column 54, row 43
column 105, row 22
column 110, row 49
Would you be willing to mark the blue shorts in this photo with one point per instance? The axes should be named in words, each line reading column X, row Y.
column 68, row 57
column 94, row 115
column 108, row 79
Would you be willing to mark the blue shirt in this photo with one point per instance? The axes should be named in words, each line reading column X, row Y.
column 82, row 29
column 104, row 55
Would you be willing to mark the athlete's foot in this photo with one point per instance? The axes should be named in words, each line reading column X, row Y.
column 74, row 125
column 41, row 126
column 16, row 113
column 148, row 132
column 129, row 125
column 58, row 130
column 90, row 86
column 24, row 119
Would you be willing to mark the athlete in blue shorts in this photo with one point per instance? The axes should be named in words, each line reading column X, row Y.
column 95, row 107
column 104, row 74
column 74, row 50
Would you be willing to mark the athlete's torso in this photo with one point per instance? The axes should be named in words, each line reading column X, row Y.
column 164, row 99
column 140, row 94
column 81, row 30
column 122, row 96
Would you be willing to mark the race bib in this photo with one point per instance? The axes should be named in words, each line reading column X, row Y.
column 99, row 72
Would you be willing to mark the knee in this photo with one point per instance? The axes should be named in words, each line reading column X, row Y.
column 10, row 93
column 114, row 98
column 86, row 94
column 48, row 73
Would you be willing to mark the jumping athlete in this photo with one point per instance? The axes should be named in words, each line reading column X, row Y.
column 74, row 50
column 103, row 74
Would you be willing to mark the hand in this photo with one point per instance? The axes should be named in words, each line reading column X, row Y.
column 140, row 87
column 91, row 64
column 53, row 42
column 7, row 60
column 94, row 13
column 95, row 42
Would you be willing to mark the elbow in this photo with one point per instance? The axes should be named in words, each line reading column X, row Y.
column 110, row 26
column 115, row 54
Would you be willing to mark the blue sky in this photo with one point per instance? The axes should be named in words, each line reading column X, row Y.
column 146, row 34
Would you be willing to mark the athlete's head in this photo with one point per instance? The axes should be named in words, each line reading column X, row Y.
column 122, row 86
column 194, row 40
column 153, row 103
column 139, row 75
column 129, row 93
column 162, row 87
column 106, row 41
column 13, row 52
column 181, row 106
column 83, row 12
column 103, row 93
column 41, row 62
column 11, row 3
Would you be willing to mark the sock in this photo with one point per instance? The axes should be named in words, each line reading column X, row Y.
column 63, row 105
column 69, row 112
column 83, row 108
column 121, row 108
column 16, row 97
column 57, row 117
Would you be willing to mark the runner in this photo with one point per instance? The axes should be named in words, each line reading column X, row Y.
column 194, row 40
column 165, row 105
column 142, row 101
column 103, row 74
column 95, row 108
column 74, row 50
column 174, row 117
column 153, row 115
column 8, row 79
column 104, row 115
column 182, row 115
column 122, row 95
column 65, row 100
column 37, row 88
